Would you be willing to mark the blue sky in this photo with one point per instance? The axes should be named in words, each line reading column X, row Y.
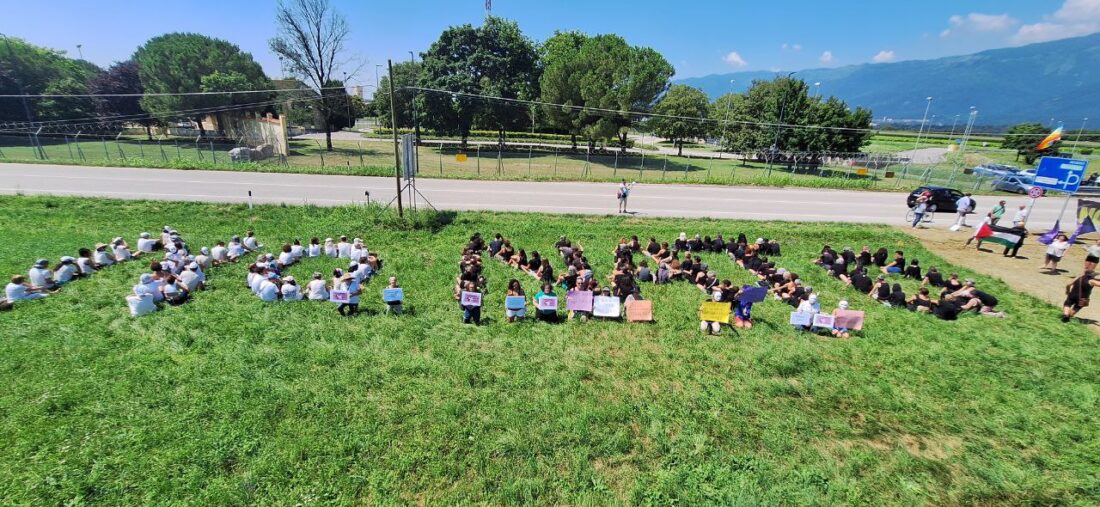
column 698, row 38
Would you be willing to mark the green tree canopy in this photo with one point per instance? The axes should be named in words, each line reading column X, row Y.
column 26, row 68
column 121, row 79
column 405, row 74
column 189, row 62
column 496, row 60
column 684, row 111
column 1024, row 138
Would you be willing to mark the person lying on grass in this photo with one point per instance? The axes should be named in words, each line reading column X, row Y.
column 839, row 270
column 979, row 301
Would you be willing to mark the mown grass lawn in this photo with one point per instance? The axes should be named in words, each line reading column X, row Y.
column 228, row 400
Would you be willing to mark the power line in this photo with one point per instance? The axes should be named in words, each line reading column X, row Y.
column 171, row 94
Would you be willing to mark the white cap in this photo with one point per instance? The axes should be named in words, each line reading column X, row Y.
column 205, row 251
column 193, row 265
column 141, row 290
column 813, row 298
column 144, row 235
column 843, row 305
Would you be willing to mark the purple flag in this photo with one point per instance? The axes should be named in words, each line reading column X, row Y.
column 1086, row 227
column 1048, row 238
column 750, row 294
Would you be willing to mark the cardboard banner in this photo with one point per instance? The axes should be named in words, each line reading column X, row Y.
column 802, row 319
column 849, row 319
column 639, row 311
column 713, row 311
column 605, row 306
column 823, row 320
column 1088, row 209
column 579, row 301
column 547, row 303
column 470, row 298
column 515, row 303
column 339, row 296
column 391, row 295
column 753, row 294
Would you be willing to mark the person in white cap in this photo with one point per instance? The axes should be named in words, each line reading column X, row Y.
column 219, row 254
column 330, row 249
column 841, row 332
column 810, row 305
column 290, row 289
column 64, row 272
column 102, row 256
column 41, row 277
column 269, row 290
column 19, row 290
column 141, row 302
column 121, row 250
column 145, row 243
column 343, row 248
column 166, row 236
column 191, row 278
column 151, row 286
column 316, row 289
column 357, row 250
column 250, row 243
column 203, row 259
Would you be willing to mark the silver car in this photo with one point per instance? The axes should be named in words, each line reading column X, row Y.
column 1014, row 183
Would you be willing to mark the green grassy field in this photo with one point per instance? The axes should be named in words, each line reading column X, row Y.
column 227, row 400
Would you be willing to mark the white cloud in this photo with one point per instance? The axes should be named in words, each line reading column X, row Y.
column 884, row 56
column 792, row 47
column 734, row 58
column 1073, row 18
column 826, row 57
column 797, row 47
column 978, row 22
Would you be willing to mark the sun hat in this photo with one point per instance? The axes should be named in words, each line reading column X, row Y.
column 41, row 263
column 66, row 259
column 146, row 278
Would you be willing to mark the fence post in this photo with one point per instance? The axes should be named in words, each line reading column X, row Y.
column 642, row 166
column 360, row 145
column 213, row 154
column 70, row 148
column 587, row 170
column 530, row 149
column 478, row 157
column 555, row 161
column 615, row 172
column 500, row 159
column 121, row 154
column 79, row 151
column 141, row 149
column 664, row 167
column 105, row 152
column 441, row 158
column 163, row 155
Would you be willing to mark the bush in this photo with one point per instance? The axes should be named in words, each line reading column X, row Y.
column 1086, row 151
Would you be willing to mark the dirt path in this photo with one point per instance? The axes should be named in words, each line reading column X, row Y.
column 1021, row 273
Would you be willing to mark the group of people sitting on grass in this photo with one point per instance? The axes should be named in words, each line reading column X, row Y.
column 954, row 297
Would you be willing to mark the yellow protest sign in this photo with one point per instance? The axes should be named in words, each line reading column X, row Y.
column 461, row 157
column 712, row 311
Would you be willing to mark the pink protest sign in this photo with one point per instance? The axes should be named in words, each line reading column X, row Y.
column 470, row 298
column 849, row 319
column 548, row 303
column 579, row 301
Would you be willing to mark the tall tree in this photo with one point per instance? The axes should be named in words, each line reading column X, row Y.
column 311, row 40
column 187, row 63
column 405, row 74
column 495, row 60
column 682, row 115
column 121, row 79
column 1024, row 138
column 29, row 69
column 557, row 86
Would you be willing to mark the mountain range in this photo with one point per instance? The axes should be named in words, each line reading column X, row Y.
column 1032, row 83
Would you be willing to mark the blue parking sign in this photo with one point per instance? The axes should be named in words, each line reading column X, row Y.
column 1062, row 174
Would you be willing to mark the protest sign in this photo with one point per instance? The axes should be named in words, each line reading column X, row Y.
column 393, row 295
column 547, row 303
column 823, row 320
column 849, row 319
column 639, row 311
column 713, row 311
column 803, row 319
column 515, row 302
column 605, row 306
column 579, row 301
column 339, row 296
column 753, row 294
column 470, row 298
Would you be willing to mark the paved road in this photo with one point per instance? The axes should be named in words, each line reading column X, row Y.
column 587, row 198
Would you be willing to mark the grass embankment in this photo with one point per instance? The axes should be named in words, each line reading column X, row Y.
column 228, row 400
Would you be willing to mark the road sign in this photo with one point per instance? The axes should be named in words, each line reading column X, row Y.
column 1063, row 174
column 1035, row 192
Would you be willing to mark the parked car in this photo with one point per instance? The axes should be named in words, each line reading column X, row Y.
column 995, row 170
column 943, row 198
column 1014, row 183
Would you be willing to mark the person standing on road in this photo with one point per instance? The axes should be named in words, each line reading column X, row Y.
column 919, row 210
column 998, row 212
column 1020, row 218
column 623, row 194
column 963, row 206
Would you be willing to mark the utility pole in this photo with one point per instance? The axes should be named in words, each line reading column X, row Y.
column 396, row 148
column 416, row 117
column 80, row 50
column 725, row 122
column 775, row 145
column 1078, row 138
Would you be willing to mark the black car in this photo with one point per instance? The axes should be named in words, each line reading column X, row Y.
column 943, row 198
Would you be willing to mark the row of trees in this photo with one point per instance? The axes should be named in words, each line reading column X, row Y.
column 597, row 88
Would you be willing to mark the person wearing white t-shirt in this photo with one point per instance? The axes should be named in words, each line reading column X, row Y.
column 316, row 289
column 166, row 236
column 256, row 278
column 190, row 277
column 268, row 290
column 19, row 290
column 101, row 256
column 145, row 243
column 85, row 263
column 290, row 289
column 343, row 248
column 963, row 206
column 141, row 302
column 357, row 250
column 66, row 271
column 286, row 258
column 203, row 259
column 314, row 248
column 330, row 249
column 296, row 250
column 235, row 250
column 1020, row 218
column 40, row 275
column 219, row 254
column 250, row 242
column 150, row 285
column 1055, row 251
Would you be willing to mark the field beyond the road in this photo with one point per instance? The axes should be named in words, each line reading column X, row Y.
column 227, row 400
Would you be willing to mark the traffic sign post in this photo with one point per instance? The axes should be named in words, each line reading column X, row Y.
column 1035, row 192
column 1062, row 174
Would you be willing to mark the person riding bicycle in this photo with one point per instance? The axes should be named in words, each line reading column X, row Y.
column 920, row 207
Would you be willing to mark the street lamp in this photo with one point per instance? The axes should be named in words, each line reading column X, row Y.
column 817, row 94
column 775, row 144
column 1078, row 138
column 347, row 100
column 725, row 122
column 80, row 51
column 953, row 124
column 905, row 168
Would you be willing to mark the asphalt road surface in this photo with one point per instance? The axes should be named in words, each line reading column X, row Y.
column 651, row 200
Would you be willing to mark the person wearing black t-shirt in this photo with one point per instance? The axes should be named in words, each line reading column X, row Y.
column 1077, row 294
column 653, row 247
column 913, row 270
column 718, row 245
column 879, row 258
column 933, row 277
column 921, row 303
column 496, row 244
column 864, row 258
column 946, row 309
column 849, row 256
column 897, row 297
column 897, row 265
column 861, row 281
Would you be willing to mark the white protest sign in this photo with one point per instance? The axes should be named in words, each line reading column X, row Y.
column 605, row 306
column 823, row 320
column 803, row 319
column 548, row 303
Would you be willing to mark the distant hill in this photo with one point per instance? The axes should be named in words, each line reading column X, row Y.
column 1037, row 82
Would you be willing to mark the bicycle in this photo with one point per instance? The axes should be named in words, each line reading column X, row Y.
column 929, row 213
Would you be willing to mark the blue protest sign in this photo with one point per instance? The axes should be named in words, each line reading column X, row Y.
column 391, row 295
